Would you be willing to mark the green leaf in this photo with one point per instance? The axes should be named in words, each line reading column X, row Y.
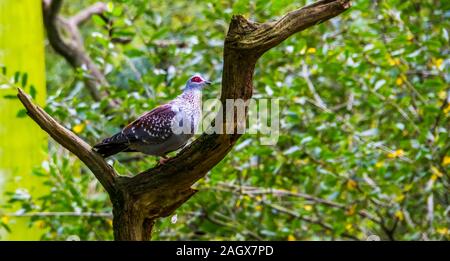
column 10, row 96
column 6, row 227
column 21, row 113
column 123, row 33
column 110, row 6
column 16, row 77
column 98, row 20
column 24, row 80
column 117, row 11
column 158, row 34
column 33, row 91
column 134, row 53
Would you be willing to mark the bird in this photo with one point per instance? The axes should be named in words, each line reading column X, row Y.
column 164, row 129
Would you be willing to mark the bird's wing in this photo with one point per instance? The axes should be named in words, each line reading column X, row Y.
column 153, row 127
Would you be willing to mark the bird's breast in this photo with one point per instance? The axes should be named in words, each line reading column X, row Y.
column 187, row 117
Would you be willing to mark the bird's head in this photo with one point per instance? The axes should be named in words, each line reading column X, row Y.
column 197, row 82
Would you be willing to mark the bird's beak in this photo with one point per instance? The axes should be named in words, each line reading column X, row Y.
column 208, row 82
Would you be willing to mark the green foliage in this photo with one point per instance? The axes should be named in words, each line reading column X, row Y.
column 22, row 142
column 380, row 147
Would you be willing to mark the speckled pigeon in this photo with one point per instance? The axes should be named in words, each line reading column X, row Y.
column 153, row 133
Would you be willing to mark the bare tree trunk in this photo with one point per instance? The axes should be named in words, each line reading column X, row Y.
column 129, row 222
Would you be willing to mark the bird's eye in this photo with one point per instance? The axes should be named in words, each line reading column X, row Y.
column 196, row 79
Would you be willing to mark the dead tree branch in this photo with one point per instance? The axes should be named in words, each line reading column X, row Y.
column 72, row 49
column 87, row 13
column 138, row 201
column 102, row 171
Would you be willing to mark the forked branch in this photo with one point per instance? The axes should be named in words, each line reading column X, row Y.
column 72, row 48
column 259, row 38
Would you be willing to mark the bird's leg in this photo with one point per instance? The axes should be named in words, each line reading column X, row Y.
column 163, row 160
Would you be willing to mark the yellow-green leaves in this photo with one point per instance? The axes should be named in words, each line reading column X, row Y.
column 396, row 154
column 446, row 161
column 79, row 128
column 23, row 144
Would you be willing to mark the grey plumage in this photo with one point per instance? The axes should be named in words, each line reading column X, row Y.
column 153, row 132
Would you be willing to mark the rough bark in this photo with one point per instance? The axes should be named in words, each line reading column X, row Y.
column 138, row 201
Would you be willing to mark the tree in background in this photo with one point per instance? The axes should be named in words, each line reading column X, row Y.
column 22, row 145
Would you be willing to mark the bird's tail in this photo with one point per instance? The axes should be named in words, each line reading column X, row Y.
column 112, row 145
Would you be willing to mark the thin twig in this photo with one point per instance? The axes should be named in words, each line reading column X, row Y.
column 59, row 214
column 307, row 219
column 441, row 111
column 87, row 13
column 252, row 191
column 232, row 227
column 305, row 75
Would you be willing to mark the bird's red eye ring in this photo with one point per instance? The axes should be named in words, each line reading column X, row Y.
column 196, row 79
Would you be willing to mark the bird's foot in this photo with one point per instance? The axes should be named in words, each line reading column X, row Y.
column 163, row 160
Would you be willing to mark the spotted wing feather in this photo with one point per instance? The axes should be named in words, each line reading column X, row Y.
column 153, row 127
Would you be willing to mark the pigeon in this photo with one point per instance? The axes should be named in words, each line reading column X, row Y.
column 164, row 129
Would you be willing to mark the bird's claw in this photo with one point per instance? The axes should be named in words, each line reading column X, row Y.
column 163, row 160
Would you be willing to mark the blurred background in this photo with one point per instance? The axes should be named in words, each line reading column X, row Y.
column 364, row 148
